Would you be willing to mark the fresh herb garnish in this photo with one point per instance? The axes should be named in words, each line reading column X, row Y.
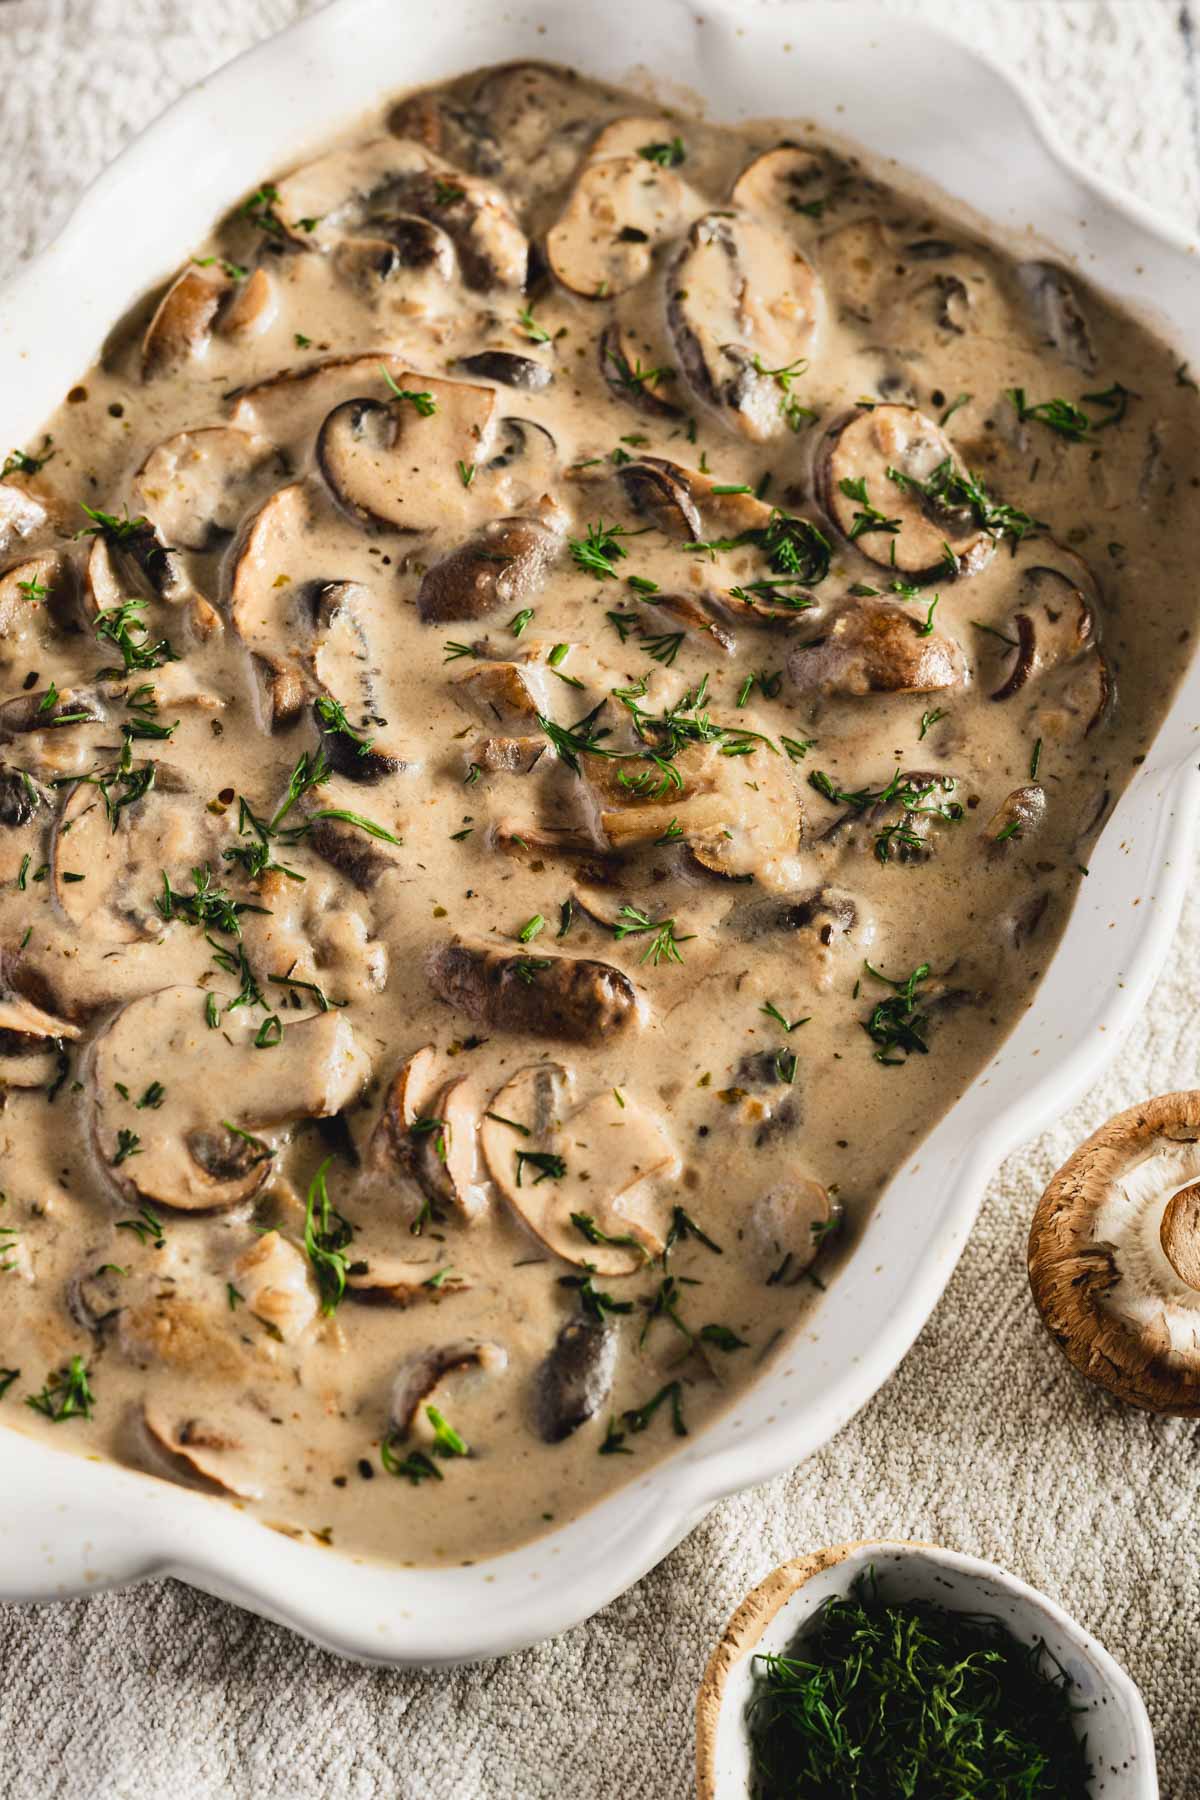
column 326, row 1235
column 415, row 1467
column 878, row 1698
column 596, row 553
column 868, row 518
column 549, row 1166
column 683, row 1227
column 663, row 945
column 66, row 1395
column 639, row 1418
column 897, row 1023
column 20, row 462
column 424, row 402
column 537, row 334
column 588, row 1228
column 331, row 716
column 447, row 1441
column 667, row 156
column 773, row 1012
column 147, row 1227
column 595, row 1304
column 257, row 209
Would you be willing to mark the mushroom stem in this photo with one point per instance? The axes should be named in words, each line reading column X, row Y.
column 1179, row 1234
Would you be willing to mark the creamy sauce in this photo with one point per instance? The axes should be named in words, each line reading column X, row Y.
column 577, row 497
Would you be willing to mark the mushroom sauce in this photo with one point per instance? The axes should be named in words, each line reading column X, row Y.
column 560, row 683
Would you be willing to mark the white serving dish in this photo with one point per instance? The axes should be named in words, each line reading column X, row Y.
column 71, row 1526
column 1111, row 1717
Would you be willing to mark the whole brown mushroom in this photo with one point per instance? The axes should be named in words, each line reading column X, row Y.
column 1114, row 1255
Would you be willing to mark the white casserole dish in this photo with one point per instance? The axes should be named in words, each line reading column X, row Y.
column 72, row 1525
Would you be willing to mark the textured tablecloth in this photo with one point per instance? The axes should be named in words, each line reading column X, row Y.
column 984, row 1440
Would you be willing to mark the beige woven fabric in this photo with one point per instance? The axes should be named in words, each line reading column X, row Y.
column 984, row 1440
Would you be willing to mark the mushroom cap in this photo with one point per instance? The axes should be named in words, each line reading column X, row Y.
column 1109, row 1293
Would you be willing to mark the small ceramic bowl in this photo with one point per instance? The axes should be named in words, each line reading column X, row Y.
column 1114, row 1719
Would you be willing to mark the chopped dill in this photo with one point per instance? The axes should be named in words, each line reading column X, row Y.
column 877, row 1698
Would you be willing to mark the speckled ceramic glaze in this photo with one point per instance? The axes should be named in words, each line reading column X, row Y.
column 944, row 113
column 1112, row 1716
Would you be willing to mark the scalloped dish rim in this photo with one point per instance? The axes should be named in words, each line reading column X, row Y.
column 75, row 1525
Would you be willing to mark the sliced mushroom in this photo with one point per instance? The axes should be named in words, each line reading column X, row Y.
column 785, row 1227
column 1058, row 315
column 109, row 852
column 49, row 709
column 509, row 369
column 346, row 674
column 1112, row 1256
column 20, row 798
column 177, row 1331
column 858, row 263
column 405, row 257
column 391, row 1281
column 831, row 930
column 443, row 1159
column 186, row 1155
column 288, row 407
column 1057, row 663
column 388, row 465
column 499, row 693
column 21, row 513
column 460, row 132
column 363, row 859
column 892, row 519
column 687, row 503
column 699, row 613
column 196, row 487
column 391, row 1142
column 418, row 1379
column 537, row 122
column 541, row 836
column 312, row 931
column 657, row 490
column 520, row 468
column 736, row 823
column 507, row 756
column 619, row 209
column 30, row 1041
column 214, row 1454
column 253, row 308
column 622, row 368
column 877, row 647
column 605, row 1163
column 183, row 322
column 141, row 563
column 575, row 1380
column 743, row 306
column 573, row 998
column 267, row 600
column 37, row 600
column 95, row 1295
column 272, row 1276
column 503, row 564
column 1018, row 816
column 325, row 199
column 782, row 181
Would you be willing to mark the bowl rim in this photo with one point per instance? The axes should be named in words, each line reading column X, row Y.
column 777, row 1590
column 78, row 1526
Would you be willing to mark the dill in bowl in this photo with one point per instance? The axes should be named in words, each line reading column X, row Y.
column 908, row 1700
